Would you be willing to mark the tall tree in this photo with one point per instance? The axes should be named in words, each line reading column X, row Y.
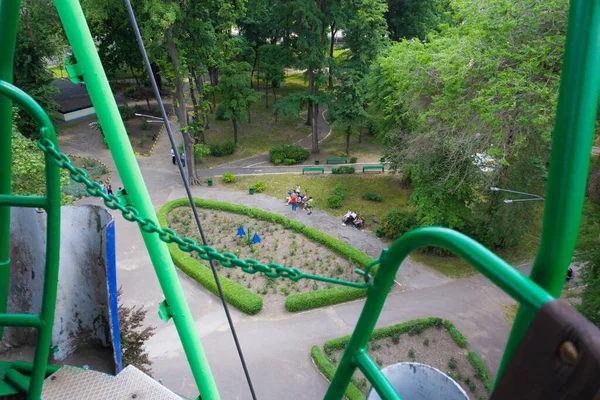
column 39, row 38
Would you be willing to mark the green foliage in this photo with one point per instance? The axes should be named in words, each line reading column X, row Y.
column 588, row 253
column 328, row 370
column 127, row 112
column 289, row 161
column 223, row 149
column 340, row 190
column 294, row 302
column 345, row 169
column 236, row 95
column 398, row 221
column 411, row 353
column 228, row 177
column 372, row 196
column 334, row 201
column 426, row 342
column 452, row 363
column 295, row 153
column 134, row 336
column 220, row 112
column 455, row 334
column 481, row 372
column 260, row 186
column 396, row 338
column 200, row 151
column 145, row 125
column 353, row 160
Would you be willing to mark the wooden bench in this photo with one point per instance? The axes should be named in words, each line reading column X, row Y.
column 367, row 167
column 322, row 170
column 337, row 160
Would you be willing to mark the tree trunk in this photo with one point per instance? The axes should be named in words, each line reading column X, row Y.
column 200, row 109
column 333, row 32
column 266, row 93
column 139, row 87
column 348, row 134
column 360, row 134
column 315, row 130
column 593, row 185
column 274, row 95
column 181, row 109
column 249, row 119
column 157, row 77
column 311, row 88
column 253, row 68
column 235, row 130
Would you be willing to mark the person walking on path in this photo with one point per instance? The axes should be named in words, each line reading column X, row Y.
column 309, row 205
column 102, row 186
column 173, row 156
column 183, row 160
column 294, row 202
column 109, row 188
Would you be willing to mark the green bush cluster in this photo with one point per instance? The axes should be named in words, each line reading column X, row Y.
column 200, row 150
column 220, row 112
column 260, row 187
column 322, row 298
column 372, row 196
column 126, row 111
column 289, row 154
column 145, row 125
column 328, row 370
column 398, row 221
column 481, row 372
column 223, row 149
column 229, row 177
column 295, row 302
column 353, row 160
column 345, row 169
column 334, row 201
column 455, row 334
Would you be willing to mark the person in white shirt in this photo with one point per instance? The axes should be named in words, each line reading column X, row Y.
column 173, row 156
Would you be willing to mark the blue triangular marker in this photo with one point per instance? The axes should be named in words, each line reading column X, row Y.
column 255, row 238
column 241, row 232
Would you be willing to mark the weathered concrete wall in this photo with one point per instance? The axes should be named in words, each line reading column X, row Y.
column 82, row 307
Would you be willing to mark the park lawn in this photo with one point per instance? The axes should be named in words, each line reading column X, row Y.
column 320, row 187
column 59, row 72
column 369, row 150
column 262, row 133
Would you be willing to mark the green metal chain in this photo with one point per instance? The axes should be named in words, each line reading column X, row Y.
column 228, row 260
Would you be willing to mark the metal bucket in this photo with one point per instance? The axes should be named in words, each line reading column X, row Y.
column 414, row 381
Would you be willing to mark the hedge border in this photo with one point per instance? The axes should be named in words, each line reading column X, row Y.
column 237, row 295
column 328, row 370
column 416, row 326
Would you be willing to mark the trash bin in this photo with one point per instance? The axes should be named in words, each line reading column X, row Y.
column 251, row 190
column 378, row 233
column 317, row 162
column 334, row 170
column 382, row 159
column 209, row 182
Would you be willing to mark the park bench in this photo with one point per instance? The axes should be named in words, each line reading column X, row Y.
column 309, row 169
column 337, row 160
column 367, row 167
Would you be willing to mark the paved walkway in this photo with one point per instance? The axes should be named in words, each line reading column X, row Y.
column 277, row 347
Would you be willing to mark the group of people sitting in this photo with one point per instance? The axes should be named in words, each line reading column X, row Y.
column 295, row 197
column 353, row 218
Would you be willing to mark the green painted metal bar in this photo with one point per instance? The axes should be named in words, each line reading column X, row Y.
column 374, row 375
column 104, row 103
column 23, row 201
column 571, row 148
column 513, row 282
column 53, row 197
column 18, row 380
column 27, row 367
column 9, row 19
column 30, row 320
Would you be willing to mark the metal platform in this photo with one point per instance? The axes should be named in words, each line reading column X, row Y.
column 76, row 383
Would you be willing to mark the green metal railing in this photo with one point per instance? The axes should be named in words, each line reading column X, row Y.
column 51, row 203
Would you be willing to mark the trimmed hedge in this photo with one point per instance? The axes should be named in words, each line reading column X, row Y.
column 237, row 295
column 455, row 334
column 328, row 369
column 223, row 149
column 481, row 372
column 323, row 297
column 295, row 302
column 288, row 154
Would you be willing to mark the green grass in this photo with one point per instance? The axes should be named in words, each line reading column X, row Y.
column 319, row 186
column 369, row 150
column 262, row 133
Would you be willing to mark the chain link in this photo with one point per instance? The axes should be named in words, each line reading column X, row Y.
column 188, row 245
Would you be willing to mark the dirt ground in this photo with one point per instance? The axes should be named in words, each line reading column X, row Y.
column 278, row 244
column 433, row 347
column 141, row 140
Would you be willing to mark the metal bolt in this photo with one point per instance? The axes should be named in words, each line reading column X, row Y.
column 568, row 352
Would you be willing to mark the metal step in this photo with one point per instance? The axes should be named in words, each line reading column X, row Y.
column 76, row 383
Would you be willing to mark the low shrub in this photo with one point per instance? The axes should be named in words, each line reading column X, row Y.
column 145, row 125
column 481, row 372
column 334, row 201
column 200, row 151
column 323, row 297
column 372, row 196
column 288, row 152
column 289, row 161
column 452, row 364
column 353, row 160
column 260, row 187
column 126, row 112
column 277, row 162
column 223, row 149
column 398, row 221
column 220, row 112
column 228, row 177
column 328, row 370
column 345, row 169
column 340, row 190
column 455, row 334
